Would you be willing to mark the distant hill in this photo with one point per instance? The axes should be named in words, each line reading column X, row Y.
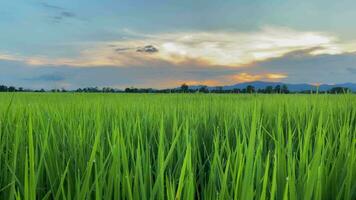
column 292, row 87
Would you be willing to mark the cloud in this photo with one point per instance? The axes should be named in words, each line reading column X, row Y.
column 308, row 68
column 123, row 49
column 238, row 49
column 246, row 77
column 67, row 14
column 8, row 57
column 159, row 74
column 58, row 13
column 147, row 49
column 49, row 77
column 352, row 70
column 221, row 80
column 276, row 77
column 215, row 49
column 195, row 82
column 63, row 15
column 50, row 6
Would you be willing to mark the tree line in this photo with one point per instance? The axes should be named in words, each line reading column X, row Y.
column 282, row 89
column 184, row 88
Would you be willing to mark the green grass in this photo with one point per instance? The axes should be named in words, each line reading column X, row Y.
column 178, row 146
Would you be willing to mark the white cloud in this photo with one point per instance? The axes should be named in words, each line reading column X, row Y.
column 209, row 48
column 235, row 49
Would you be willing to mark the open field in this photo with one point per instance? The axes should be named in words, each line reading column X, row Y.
column 193, row 146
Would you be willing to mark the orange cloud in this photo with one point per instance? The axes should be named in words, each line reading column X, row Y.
column 232, row 79
column 7, row 57
column 203, row 82
column 246, row 77
column 276, row 76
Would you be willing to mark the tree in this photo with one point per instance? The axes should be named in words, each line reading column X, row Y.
column 219, row 89
column 3, row 88
column 285, row 89
column 12, row 89
column 236, row 90
column 339, row 90
column 250, row 89
column 184, row 87
column 203, row 89
column 108, row 90
column 277, row 89
column 269, row 89
column 55, row 90
column 129, row 90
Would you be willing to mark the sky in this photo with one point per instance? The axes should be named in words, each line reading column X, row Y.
column 165, row 43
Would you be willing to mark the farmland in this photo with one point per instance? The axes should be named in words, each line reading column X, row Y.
column 177, row 146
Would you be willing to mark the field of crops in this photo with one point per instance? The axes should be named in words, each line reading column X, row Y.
column 177, row 146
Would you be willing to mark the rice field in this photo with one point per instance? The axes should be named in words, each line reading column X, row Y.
column 177, row 146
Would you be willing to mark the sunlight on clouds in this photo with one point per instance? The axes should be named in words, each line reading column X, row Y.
column 237, row 49
column 246, row 77
column 203, row 82
column 276, row 76
column 231, row 79
column 88, row 58
column 172, row 48
column 9, row 57
column 234, row 49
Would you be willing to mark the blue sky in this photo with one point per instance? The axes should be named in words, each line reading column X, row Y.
column 160, row 43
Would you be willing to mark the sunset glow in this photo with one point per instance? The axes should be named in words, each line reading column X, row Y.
column 66, row 39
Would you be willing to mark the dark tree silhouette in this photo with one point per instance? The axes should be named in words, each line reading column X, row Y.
column 269, row 90
column 250, row 89
column 219, row 89
column 285, row 89
column 236, row 90
column 277, row 89
column 203, row 89
column 3, row 88
column 184, row 87
column 11, row 89
column 339, row 90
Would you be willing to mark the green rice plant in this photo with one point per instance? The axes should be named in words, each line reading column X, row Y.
column 177, row 146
